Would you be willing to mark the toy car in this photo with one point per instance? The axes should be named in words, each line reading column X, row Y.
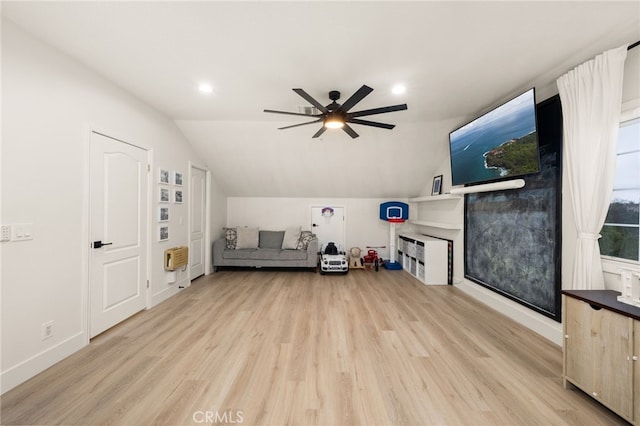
column 371, row 259
column 332, row 261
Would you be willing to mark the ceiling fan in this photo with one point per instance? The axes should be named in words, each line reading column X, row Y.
column 336, row 116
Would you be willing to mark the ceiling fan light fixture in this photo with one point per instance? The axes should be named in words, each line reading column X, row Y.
column 334, row 123
column 336, row 116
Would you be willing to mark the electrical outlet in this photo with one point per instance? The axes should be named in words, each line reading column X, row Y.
column 47, row 330
column 5, row 235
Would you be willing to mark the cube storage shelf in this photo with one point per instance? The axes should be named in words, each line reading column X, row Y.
column 424, row 257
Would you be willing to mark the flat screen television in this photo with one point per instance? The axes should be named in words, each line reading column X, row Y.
column 501, row 144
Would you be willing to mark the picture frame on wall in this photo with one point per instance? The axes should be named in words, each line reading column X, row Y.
column 163, row 176
column 177, row 178
column 163, row 195
column 163, row 214
column 163, row 233
column 436, row 188
column 177, row 196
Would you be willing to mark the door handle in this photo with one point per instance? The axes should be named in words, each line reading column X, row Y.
column 314, row 225
column 98, row 244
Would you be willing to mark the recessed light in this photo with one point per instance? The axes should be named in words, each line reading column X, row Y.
column 399, row 89
column 205, row 88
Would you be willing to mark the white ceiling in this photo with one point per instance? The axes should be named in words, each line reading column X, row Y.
column 456, row 59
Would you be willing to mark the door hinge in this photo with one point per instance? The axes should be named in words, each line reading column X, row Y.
column 147, row 283
column 148, row 168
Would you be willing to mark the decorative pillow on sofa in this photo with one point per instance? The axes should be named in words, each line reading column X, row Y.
column 303, row 241
column 247, row 238
column 271, row 239
column 291, row 238
column 231, row 237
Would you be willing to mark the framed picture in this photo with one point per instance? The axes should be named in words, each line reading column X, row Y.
column 163, row 195
column 163, row 176
column 163, row 214
column 177, row 196
column 163, row 233
column 177, row 178
column 436, row 189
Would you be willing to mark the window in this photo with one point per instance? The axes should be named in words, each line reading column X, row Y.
column 621, row 230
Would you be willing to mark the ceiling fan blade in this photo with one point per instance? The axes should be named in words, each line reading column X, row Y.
column 355, row 98
column 381, row 110
column 350, row 131
column 301, row 124
column 372, row 123
column 291, row 113
column 309, row 99
column 319, row 132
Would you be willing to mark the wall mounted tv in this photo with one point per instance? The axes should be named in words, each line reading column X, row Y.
column 501, row 144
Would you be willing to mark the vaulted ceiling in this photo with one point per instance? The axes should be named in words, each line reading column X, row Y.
column 455, row 58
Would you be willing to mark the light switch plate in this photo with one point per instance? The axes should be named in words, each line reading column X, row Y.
column 22, row 231
column 5, row 234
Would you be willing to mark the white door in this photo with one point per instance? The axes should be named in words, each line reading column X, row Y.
column 197, row 199
column 328, row 225
column 118, row 231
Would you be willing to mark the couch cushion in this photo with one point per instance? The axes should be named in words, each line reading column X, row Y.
column 271, row 239
column 247, row 238
column 278, row 255
column 238, row 254
column 291, row 237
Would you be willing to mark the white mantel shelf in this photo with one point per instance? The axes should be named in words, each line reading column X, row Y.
column 442, row 197
column 440, row 225
column 488, row 187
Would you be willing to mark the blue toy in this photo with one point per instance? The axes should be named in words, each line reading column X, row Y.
column 393, row 212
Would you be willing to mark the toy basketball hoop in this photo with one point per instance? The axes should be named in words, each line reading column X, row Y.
column 393, row 212
column 395, row 220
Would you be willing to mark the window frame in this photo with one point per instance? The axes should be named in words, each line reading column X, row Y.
column 629, row 111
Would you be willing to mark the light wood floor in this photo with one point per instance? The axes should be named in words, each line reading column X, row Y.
column 289, row 347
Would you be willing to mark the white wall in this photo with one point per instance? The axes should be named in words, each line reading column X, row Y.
column 49, row 103
column 630, row 108
column 450, row 211
column 289, row 163
column 363, row 226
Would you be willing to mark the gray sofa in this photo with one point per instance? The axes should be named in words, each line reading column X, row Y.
column 268, row 254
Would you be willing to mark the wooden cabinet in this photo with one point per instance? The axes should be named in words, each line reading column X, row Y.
column 424, row 257
column 602, row 340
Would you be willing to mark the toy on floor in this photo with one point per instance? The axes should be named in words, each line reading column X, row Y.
column 355, row 261
column 372, row 260
column 332, row 260
column 393, row 212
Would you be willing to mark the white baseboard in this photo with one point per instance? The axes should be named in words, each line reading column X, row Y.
column 38, row 363
column 166, row 293
column 546, row 327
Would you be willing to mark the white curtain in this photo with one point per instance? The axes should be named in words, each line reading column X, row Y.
column 591, row 96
